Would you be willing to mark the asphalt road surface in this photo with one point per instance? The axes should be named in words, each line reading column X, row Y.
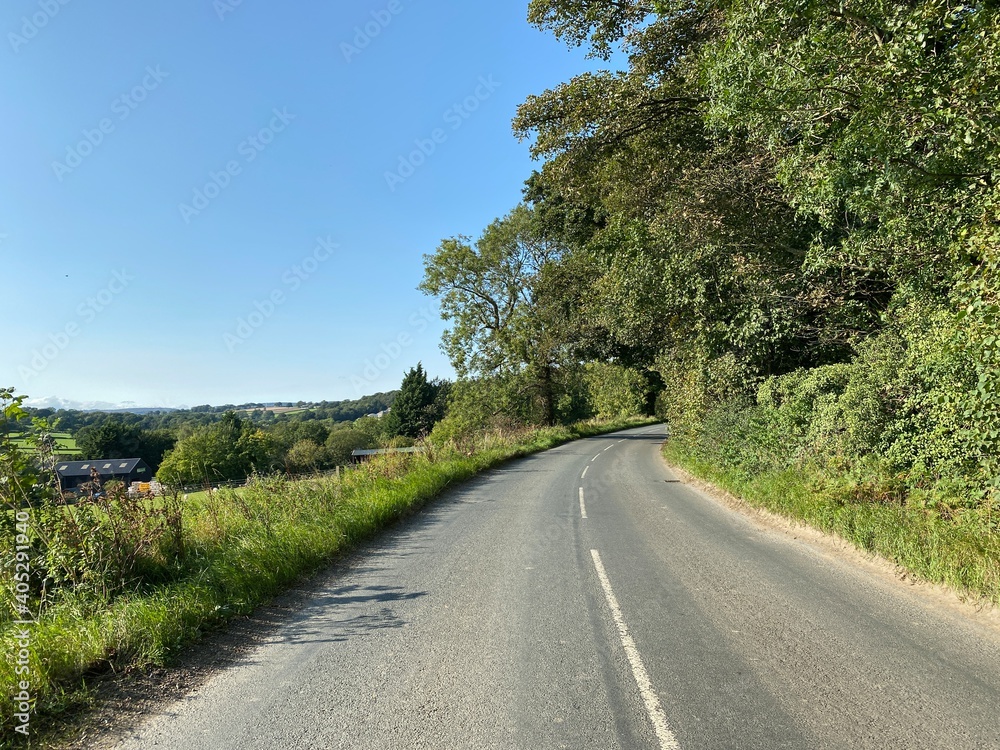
column 520, row 612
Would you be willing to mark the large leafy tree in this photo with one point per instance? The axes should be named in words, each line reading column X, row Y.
column 882, row 116
column 341, row 444
column 700, row 248
column 503, row 297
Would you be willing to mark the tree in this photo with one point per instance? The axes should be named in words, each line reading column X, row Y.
column 413, row 413
column 615, row 391
column 775, row 191
column 876, row 112
column 233, row 448
column 116, row 438
column 498, row 295
column 153, row 446
column 342, row 443
column 306, row 456
column 699, row 253
column 496, row 402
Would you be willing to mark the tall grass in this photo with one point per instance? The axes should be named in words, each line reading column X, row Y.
column 961, row 550
column 239, row 548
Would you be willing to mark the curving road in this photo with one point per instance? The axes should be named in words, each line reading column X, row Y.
column 520, row 612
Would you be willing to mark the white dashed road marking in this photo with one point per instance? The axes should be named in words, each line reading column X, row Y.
column 649, row 697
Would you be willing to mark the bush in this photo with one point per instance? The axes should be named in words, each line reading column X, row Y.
column 487, row 404
column 695, row 383
column 103, row 547
column 905, row 420
column 614, row 391
column 306, row 456
column 342, row 443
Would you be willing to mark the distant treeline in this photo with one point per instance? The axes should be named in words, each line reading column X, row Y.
column 73, row 420
column 216, row 443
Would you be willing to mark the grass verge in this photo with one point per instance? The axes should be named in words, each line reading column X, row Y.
column 959, row 552
column 241, row 547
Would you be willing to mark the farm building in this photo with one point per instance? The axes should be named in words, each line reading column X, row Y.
column 74, row 473
column 361, row 455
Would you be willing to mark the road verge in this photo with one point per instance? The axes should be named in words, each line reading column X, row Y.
column 965, row 558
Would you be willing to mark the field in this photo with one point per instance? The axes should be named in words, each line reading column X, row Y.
column 276, row 409
column 66, row 443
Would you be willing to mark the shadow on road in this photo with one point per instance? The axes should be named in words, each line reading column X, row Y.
column 325, row 622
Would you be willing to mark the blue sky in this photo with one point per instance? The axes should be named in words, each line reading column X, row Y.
column 213, row 201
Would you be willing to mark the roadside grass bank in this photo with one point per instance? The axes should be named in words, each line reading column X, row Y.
column 933, row 542
column 222, row 555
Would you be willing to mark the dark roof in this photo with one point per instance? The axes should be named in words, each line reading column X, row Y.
column 104, row 466
column 383, row 451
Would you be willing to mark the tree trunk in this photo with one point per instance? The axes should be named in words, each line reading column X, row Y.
column 547, row 396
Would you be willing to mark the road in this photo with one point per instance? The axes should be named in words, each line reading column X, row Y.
column 518, row 612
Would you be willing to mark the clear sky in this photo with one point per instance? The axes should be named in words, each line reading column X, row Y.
column 223, row 201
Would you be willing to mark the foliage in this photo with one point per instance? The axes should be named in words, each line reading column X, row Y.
column 342, row 443
column 375, row 429
column 416, row 408
column 106, row 545
column 874, row 111
column 789, row 212
column 21, row 481
column 498, row 293
column 286, row 434
column 99, row 548
column 232, row 449
column 485, row 404
column 306, row 456
column 115, row 438
column 615, row 391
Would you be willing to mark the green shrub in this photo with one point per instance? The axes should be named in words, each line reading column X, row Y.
column 614, row 391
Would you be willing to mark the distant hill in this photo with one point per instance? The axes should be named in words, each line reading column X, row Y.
column 73, row 415
column 140, row 410
column 56, row 403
